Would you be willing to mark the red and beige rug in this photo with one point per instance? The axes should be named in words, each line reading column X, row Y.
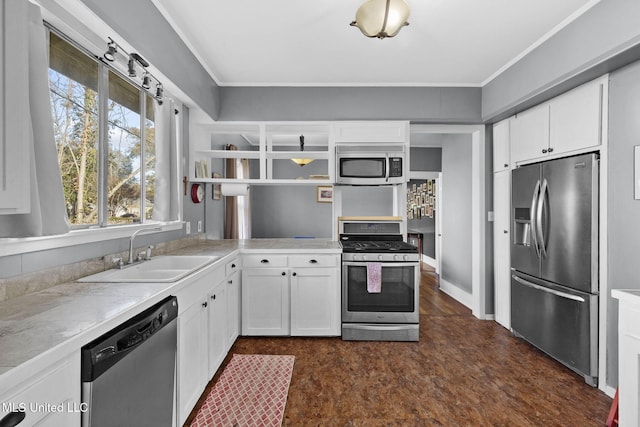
column 252, row 391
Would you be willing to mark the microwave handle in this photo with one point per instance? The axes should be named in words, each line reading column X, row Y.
column 388, row 166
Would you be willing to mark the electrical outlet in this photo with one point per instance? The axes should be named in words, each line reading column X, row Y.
column 199, row 226
column 187, row 227
column 490, row 216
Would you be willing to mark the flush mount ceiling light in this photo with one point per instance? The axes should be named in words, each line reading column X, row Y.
column 382, row 18
column 301, row 162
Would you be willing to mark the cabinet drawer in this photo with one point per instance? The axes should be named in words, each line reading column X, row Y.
column 54, row 396
column 312, row 260
column 231, row 267
column 264, row 260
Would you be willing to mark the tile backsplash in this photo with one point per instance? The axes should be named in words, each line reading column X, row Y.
column 23, row 284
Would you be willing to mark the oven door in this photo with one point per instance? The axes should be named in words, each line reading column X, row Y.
column 397, row 301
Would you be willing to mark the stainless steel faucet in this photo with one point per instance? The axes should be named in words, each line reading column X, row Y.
column 135, row 233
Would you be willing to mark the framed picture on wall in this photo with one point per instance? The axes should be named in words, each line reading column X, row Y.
column 324, row 194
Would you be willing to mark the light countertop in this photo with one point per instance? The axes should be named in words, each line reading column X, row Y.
column 44, row 326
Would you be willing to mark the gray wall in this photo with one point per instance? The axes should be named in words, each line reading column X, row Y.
column 144, row 27
column 602, row 39
column 418, row 104
column 425, row 159
column 456, row 211
column 288, row 211
column 623, row 210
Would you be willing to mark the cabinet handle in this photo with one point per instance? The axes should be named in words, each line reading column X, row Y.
column 13, row 418
column 544, row 151
column 505, row 231
column 313, row 261
column 295, row 274
column 506, row 165
column 233, row 266
column 230, row 281
column 284, row 273
column 213, row 296
column 204, row 304
column 264, row 261
column 551, row 149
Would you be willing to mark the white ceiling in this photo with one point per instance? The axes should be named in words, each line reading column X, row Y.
column 310, row 43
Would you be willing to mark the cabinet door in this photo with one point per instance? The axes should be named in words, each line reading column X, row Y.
column 530, row 134
column 501, row 141
column 233, row 308
column 576, row 118
column 315, row 301
column 192, row 357
column 217, row 314
column 372, row 131
column 265, row 301
column 502, row 246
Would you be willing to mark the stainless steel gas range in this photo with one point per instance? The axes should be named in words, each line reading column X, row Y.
column 380, row 282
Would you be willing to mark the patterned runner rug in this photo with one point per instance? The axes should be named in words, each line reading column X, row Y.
column 252, row 391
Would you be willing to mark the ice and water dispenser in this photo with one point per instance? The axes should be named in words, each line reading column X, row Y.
column 522, row 226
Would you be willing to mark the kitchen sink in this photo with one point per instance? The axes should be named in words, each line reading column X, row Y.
column 159, row 269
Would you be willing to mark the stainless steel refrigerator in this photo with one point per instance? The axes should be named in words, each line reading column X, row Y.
column 554, row 259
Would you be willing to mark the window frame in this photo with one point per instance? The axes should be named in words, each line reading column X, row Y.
column 104, row 68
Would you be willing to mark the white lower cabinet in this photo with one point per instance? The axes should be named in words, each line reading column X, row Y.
column 315, row 302
column 217, row 318
column 265, row 301
column 295, row 295
column 50, row 398
column 195, row 338
column 502, row 246
column 208, row 323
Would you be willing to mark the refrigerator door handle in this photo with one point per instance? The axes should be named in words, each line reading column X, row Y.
column 548, row 290
column 539, row 210
column 532, row 213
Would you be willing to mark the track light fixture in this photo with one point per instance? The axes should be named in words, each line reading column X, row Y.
column 131, row 67
column 110, row 54
column 146, row 80
column 134, row 61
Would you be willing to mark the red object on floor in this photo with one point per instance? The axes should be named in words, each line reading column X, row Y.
column 612, row 419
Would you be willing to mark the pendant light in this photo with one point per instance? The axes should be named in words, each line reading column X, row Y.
column 382, row 18
column 301, row 162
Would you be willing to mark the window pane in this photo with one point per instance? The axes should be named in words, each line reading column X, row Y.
column 124, row 152
column 73, row 81
column 150, row 157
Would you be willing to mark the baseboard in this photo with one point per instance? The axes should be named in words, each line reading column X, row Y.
column 429, row 261
column 609, row 391
column 456, row 293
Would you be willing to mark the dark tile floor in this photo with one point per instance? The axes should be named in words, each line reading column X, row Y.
column 462, row 372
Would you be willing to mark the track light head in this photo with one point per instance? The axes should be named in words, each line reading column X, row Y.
column 146, row 81
column 159, row 90
column 132, row 67
column 110, row 54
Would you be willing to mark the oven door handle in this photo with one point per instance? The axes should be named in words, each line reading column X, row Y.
column 384, row 264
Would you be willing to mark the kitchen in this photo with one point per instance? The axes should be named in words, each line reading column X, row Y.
column 535, row 79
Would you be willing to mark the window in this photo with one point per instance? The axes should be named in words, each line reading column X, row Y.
column 108, row 179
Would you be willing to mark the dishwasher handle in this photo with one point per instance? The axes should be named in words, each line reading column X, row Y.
column 105, row 351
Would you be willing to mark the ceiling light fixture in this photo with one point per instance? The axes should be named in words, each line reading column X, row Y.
column 146, row 80
column 301, row 162
column 382, row 18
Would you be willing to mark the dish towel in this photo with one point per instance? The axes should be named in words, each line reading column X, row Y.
column 374, row 277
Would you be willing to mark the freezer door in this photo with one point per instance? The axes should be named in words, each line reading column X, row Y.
column 559, row 321
column 525, row 187
column 568, row 218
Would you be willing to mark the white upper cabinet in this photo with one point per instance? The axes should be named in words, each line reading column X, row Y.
column 568, row 124
column 372, row 131
column 576, row 118
column 14, row 108
column 501, row 145
column 530, row 134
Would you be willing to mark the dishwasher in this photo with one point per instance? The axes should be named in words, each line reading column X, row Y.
column 128, row 374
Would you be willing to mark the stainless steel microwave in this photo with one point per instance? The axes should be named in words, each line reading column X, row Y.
column 369, row 167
